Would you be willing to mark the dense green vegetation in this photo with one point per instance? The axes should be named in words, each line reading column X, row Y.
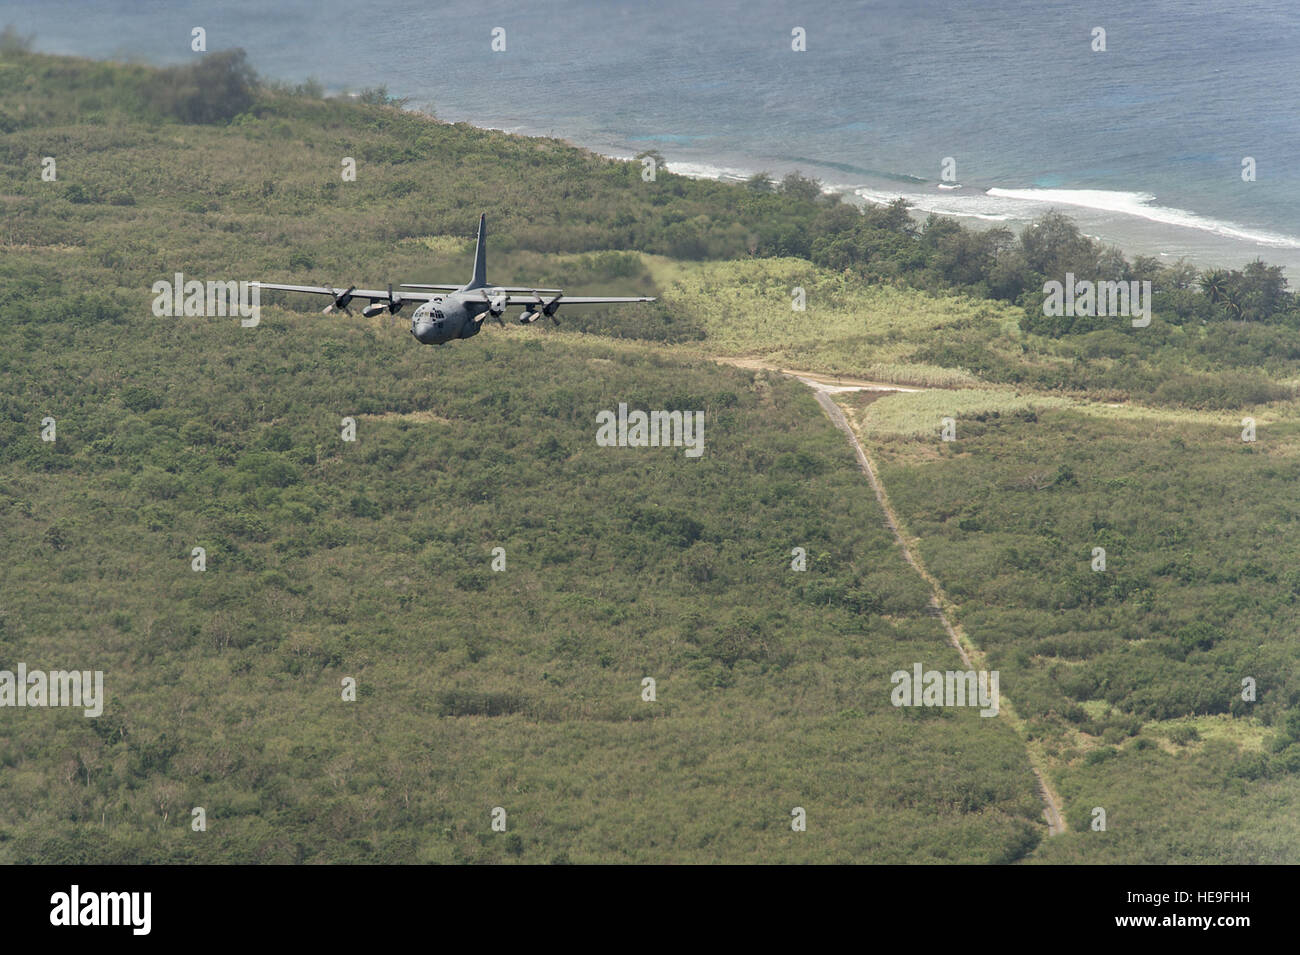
column 1114, row 670
column 477, row 689
column 371, row 560
column 522, row 689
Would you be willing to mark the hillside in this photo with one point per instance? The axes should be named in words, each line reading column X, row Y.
column 522, row 688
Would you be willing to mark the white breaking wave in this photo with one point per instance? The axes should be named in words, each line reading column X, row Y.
column 1139, row 204
column 699, row 170
column 972, row 205
column 1002, row 205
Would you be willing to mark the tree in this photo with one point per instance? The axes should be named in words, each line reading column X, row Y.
column 216, row 89
column 1253, row 294
column 1174, row 287
column 893, row 217
column 1214, row 285
column 801, row 187
column 1263, row 291
column 378, row 96
column 961, row 256
column 11, row 41
column 654, row 156
column 1053, row 245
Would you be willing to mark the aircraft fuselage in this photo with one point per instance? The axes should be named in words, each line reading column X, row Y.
column 443, row 319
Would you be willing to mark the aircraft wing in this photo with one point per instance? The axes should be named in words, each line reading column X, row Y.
column 536, row 304
column 579, row 300
column 504, row 288
column 512, row 296
column 381, row 294
column 533, row 298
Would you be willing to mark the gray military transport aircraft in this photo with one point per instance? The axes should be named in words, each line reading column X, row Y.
column 455, row 311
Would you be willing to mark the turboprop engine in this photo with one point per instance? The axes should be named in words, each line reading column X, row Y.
column 393, row 304
column 533, row 312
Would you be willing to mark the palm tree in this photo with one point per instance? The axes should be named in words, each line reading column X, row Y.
column 1232, row 303
column 1214, row 285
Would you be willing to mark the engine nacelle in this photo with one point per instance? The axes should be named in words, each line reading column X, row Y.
column 392, row 304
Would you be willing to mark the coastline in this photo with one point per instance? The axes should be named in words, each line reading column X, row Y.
column 1135, row 222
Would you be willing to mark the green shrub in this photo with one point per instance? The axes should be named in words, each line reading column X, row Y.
column 215, row 89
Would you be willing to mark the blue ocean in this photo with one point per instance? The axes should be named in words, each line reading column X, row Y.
column 1143, row 143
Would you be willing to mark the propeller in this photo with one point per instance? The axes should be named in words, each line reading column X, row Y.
column 497, row 305
column 550, row 309
column 534, row 310
column 394, row 304
column 341, row 299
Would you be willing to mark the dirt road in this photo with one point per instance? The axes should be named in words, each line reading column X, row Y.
column 939, row 602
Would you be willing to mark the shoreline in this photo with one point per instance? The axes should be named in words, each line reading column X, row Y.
column 1135, row 222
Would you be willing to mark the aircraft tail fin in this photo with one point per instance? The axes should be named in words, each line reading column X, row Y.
column 480, row 256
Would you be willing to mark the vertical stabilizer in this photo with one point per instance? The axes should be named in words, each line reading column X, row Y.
column 480, row 256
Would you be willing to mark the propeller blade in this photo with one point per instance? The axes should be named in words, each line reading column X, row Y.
column 550, row 309
column 341, row 299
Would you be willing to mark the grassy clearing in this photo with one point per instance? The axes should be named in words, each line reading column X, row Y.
column 745, row 309
column 915, row 414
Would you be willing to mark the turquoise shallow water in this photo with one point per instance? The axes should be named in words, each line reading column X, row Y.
column 1142, row 143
